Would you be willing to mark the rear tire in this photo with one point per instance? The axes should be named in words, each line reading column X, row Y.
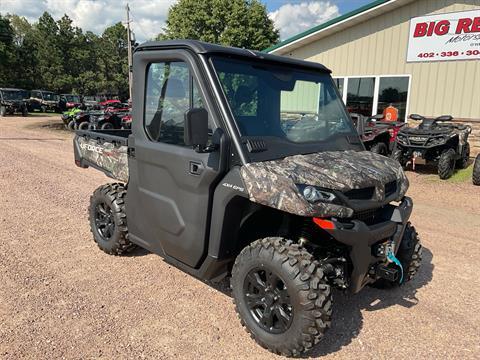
column 476, row 171
column 106, row 126
column 3, row 111
column 24, row 111
column 463, row 162
column 281, row 296
column 379, row 148
column 108, row 221
column 83, row 125
column 410, row 256
column 43, row 109
column 446, row 164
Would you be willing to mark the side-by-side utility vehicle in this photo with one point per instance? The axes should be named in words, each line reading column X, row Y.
column 224, row 175
column 436, row 141
column 11, row 102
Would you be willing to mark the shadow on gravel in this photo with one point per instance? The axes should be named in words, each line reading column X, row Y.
column 347, row 321
column 137, row 252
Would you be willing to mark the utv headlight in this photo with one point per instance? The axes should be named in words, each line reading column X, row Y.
column 313, row 194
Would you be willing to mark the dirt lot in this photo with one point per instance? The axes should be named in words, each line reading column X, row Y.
column 62, row 297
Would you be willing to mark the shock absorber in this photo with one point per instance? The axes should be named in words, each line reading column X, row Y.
column 306, row 232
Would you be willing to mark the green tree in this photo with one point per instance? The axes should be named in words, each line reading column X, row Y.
column 7, row 52
column 240, row 23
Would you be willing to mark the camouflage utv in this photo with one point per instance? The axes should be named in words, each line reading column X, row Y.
column 228, row 172
column 12, row 101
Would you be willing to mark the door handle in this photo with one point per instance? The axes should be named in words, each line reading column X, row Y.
column 195, row 168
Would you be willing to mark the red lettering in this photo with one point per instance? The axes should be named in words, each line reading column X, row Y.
column 476, row 24
column 442, row 27
column 463, row 25
column 420, row 30
column 431, row 27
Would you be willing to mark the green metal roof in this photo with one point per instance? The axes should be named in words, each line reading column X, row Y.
column 327, row 24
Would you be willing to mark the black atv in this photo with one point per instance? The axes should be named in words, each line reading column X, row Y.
column 476, row 171
column 11, row 102
column 106, row 120
column 435, row 141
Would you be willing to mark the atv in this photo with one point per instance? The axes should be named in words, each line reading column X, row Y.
column 11, row 102
column 213, row 181
column 68, row 116
column 435, row 141
column 377, row 136
column 106, row 120
column 81, row 120
column 476, row 171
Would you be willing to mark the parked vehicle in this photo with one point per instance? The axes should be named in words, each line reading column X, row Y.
column 218, row 187
column 127, row 121
column 377, row 135
column 81, row 120
column 435, row 141
column 11, row 102
column 44, row 101
column 71, row 100
column 476, row 171
column 69, row 115
column 106, row 120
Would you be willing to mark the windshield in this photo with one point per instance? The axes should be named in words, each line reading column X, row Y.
column 12, row 95
column 50, row 96
column 73, row 98
column 296, row 106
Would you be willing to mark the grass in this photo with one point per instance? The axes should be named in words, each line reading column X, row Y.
column 462, row 175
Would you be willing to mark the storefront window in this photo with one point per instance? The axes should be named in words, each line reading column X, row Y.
column 360, row 94
column 393, row 91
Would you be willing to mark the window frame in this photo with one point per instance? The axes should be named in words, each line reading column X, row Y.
column 376, row 94
column 192, row 81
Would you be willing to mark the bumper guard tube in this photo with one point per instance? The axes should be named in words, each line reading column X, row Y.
column 361, row 237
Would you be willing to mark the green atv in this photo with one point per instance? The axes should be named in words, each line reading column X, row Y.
column 68, row 117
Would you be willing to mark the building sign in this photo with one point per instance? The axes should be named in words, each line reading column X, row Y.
column 443, row 37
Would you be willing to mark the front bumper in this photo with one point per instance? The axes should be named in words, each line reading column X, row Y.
column 361, row 237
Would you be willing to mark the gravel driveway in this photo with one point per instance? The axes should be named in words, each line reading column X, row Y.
column 61, row 297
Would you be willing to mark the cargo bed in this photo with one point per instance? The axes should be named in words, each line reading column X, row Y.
column 105, row 150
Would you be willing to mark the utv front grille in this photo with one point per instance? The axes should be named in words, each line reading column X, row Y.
column 390, row 188
column 360, row 194
column 369, row 217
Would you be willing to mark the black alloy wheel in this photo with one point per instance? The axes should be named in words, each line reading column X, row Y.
column 267, row 298
column 104, row 221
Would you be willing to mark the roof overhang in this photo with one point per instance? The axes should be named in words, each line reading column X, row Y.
column 340, row 23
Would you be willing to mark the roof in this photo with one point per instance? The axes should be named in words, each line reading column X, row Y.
column 200, row 47
column 11, row 89
column 339, row 23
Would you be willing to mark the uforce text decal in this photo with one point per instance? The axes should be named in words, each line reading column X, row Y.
column 234, row 187
column 93, row 148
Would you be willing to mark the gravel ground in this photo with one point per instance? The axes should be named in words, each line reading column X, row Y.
column 61, row 297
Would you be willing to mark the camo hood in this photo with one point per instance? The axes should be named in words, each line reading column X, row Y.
column 274, row 183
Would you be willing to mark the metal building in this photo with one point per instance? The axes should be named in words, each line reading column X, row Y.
column 420, row 56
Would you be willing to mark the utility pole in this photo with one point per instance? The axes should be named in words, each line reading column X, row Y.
column 129, row 43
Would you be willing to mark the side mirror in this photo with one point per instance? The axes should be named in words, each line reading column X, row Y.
column 196, row 127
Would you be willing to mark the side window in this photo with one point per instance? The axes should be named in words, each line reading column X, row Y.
column 170, row 92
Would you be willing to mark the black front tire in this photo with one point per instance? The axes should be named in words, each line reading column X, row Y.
column 446, row 164
column 397, row 155
column 24, row 111
column 296, row 324
column 379, row 148
column 108, row 221
column 71, row 125
column 410, row 256
column 476, row 171
column 463, row 162
column 3, row 111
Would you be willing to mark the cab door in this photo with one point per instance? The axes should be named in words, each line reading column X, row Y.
column 170, row 184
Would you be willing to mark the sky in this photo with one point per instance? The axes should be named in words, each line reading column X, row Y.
column 148, row 16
